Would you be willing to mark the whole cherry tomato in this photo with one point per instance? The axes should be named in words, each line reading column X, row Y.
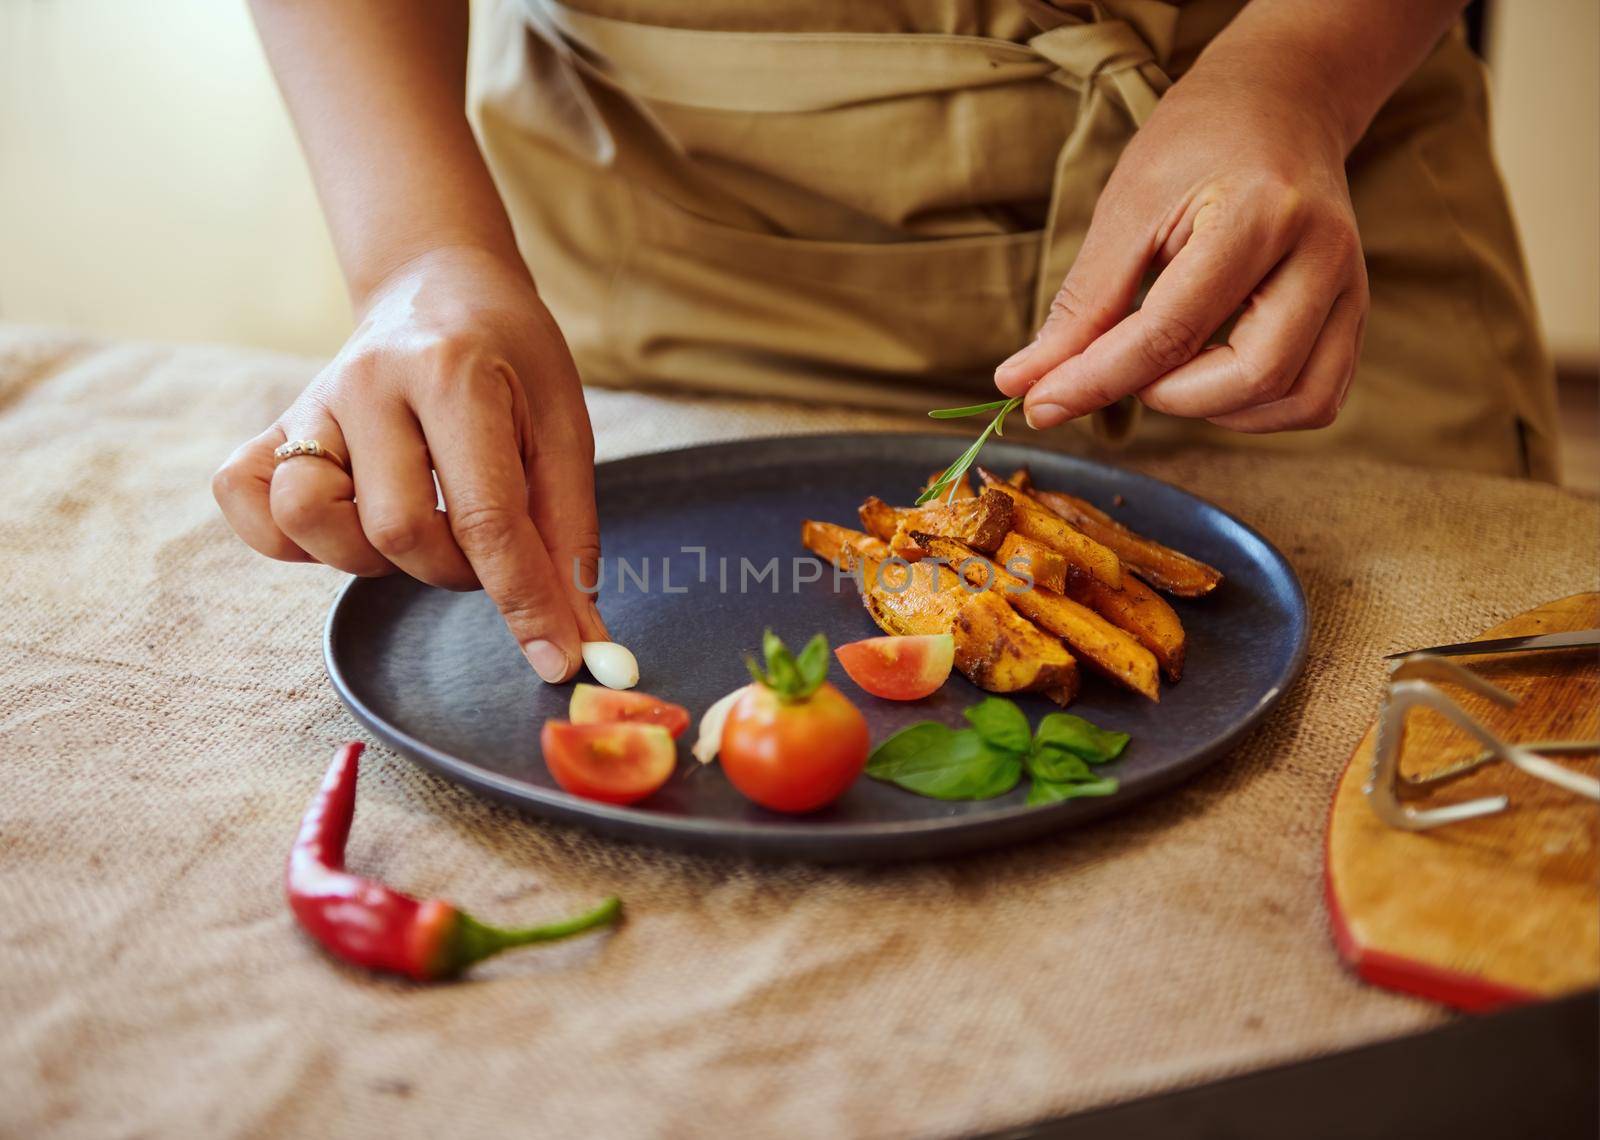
column 793, row 742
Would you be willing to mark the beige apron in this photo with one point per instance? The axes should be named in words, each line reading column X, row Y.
column 873, row 204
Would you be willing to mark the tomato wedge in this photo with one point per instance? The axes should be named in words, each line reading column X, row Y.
column 899, row 668
column 613, row 763
column 592, row 704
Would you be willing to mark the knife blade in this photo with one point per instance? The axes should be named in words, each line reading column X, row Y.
column 1533, row 643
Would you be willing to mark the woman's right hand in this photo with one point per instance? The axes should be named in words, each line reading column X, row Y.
column 456, row 369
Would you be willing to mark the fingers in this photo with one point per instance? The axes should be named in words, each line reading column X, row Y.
column 241, row 487
column 1228, row 252
column 470, row 430
column 396, row 501
column 1267, row 348
column 312, row 501
column 1316, row 396
column 1098, row 291
column 561, row 501
column 563, row 507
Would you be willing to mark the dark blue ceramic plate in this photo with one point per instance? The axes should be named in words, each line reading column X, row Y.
column 436, row 675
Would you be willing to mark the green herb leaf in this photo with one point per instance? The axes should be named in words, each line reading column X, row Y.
column 1053, row 792
column 934, row 760
column 951, row 475
column 813, row 663
column 1000, row 420
column 1073, row 734
column 792, row 679
column 969, row 410
column 782, row 672
column 988, row 759
column 757, row 673
column 772, row 646
column 1048, row 763
column 1001, row 724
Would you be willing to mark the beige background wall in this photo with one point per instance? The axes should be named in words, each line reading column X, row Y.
column 150, row 186
column 1546, row 76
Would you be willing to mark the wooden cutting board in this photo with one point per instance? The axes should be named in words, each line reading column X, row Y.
column 1493, row 911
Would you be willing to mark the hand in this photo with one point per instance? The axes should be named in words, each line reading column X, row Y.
column 458, row 369
column 1235, row 190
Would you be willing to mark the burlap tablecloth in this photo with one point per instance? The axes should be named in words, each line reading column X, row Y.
column 165, row 717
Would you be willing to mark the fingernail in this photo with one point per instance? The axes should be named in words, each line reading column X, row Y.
column 1041, row 416
column 547, row 660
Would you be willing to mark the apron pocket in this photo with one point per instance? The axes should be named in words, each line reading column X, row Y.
column 700, row 304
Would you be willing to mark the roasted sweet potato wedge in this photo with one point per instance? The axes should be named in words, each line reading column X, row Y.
column 1047, row 567
column 1161, row 566
column 1110, row 650
column 1002, row 652
column 981, row 522
column 903, row 545
column 1064, row 695
column 1031, row 520
column 995, row 649
column 878, row 518
column 840, row 545
column 903, row 599
column 913, row 599
column 1139, row 610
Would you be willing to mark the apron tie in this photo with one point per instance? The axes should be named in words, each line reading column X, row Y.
column 1117, row 71
column 1085, row 53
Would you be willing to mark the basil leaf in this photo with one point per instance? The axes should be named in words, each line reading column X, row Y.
column 1054, row 791
column 944, row 763
column 1047, row 762
column 1074, row 734
column 1002, row 773
column 1001, row 724
column 988, row 759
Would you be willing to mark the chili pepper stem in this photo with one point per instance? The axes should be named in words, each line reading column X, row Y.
column 473, row 941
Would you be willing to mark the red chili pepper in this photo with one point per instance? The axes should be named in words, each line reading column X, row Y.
column 371, row 925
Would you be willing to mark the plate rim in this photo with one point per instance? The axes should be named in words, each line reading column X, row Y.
column 772, row 838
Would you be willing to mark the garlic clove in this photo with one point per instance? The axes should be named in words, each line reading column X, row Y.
column 611, row 664
column 709, row 740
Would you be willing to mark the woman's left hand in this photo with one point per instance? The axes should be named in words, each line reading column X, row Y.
column 1235, row 190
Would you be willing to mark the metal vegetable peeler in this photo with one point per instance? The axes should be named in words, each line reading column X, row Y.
column 1414, row 681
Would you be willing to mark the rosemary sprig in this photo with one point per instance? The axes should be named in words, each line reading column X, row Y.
column 952, row 474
